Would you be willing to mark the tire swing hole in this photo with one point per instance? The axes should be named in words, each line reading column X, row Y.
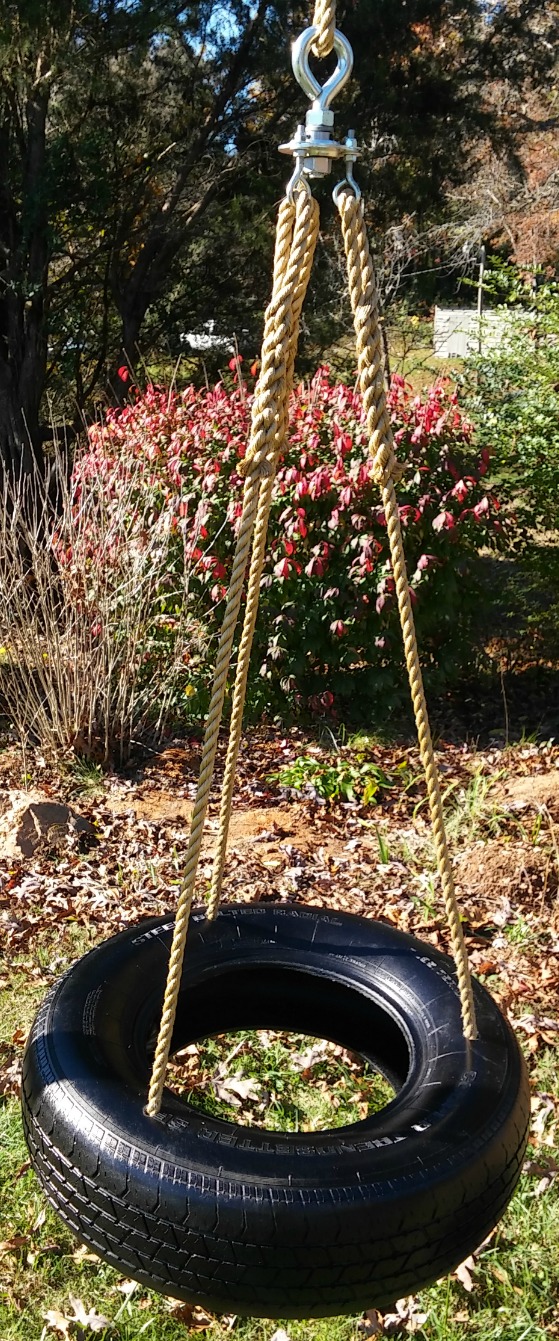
column 278, row 1080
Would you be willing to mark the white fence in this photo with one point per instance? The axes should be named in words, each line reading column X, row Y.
column 458, row 332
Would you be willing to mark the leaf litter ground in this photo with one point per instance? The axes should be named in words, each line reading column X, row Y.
column 503, row 816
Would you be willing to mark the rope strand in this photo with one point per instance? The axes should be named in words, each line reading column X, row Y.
column 296, row 281
column 324, row 19
column 364, row 302
column 296, row 226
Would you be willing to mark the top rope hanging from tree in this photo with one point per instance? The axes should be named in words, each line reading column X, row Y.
column 314, row 149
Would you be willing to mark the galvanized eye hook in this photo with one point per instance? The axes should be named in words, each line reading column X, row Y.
column 321, row 94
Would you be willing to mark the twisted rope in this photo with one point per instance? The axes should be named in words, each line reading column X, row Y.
column 364, row 302
column 324, row 19
column 296, row 281
column 296, row 236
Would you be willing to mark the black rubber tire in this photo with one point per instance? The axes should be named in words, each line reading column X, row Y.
column 264, row 1223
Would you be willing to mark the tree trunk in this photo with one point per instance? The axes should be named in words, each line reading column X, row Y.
column 20, row 436
column 24, row 248
column 123, row 378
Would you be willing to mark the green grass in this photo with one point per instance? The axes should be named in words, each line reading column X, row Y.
column 410, row 343
column 46, row 959
column 284, row 1082
column 20, row 999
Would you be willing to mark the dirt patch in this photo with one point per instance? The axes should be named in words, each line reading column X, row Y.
column 497, row 875
column 536, row 789
column 266, row 825
column 157, row 807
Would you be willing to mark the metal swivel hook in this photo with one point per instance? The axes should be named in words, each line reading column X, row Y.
column 314, row 145
column 298, row 181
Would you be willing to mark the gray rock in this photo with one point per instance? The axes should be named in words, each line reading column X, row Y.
column 34, row 824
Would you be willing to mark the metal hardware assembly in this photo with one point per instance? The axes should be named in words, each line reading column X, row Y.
column 350, row 154
column 313, row 146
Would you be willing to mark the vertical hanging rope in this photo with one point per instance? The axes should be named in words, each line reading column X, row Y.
column 364, row 302
column 297, row 278
column 295, row 240
column 324, row 19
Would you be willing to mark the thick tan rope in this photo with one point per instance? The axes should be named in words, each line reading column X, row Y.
column 295, row 244
column 296, row 225
column 297, row 278
column 364, row 302
column 324, row 18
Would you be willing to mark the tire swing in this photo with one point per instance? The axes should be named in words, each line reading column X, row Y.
column 239, row 1219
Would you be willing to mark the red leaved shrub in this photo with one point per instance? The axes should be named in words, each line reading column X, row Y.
column 328, row 635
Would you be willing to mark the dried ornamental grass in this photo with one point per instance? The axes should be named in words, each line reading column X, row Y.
column 89, row 588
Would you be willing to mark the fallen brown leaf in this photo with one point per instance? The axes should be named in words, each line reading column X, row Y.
column 57, row 1322
column 96, row 1322
column 540, row 1168
column 82, row 1254
column 463, row 1273
column 192, row 1315
column 15, row 1244
column 406, row 1317
column 544, row 1184
column 23, row 1168
column 370, row 1324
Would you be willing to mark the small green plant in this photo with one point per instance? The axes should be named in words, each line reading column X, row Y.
column 426, row 901
column 86, row 775
column 383, row 848
column 520, row 932
column 473, row 812
column 338, row 778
